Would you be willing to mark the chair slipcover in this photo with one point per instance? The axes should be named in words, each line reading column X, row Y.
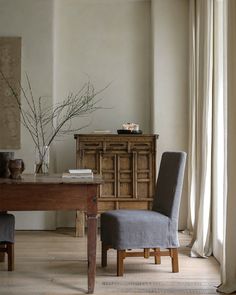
column 156, row 228
column 7, row 227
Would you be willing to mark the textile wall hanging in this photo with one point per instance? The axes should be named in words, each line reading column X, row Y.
column 10, row 67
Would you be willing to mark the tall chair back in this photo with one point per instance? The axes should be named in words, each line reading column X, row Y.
column 169, row 184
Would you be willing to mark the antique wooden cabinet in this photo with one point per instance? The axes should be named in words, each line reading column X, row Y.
column 127, row 164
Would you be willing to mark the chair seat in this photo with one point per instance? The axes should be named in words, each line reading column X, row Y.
column 7, row 227
column 137, row 229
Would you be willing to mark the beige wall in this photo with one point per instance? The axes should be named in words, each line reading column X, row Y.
column 65, row 41
column 109, row 42
column 31, row 20
column 170, row 80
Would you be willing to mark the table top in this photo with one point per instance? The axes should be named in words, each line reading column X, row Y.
column 51, row 179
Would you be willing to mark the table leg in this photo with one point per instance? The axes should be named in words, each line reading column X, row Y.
column 91, row 250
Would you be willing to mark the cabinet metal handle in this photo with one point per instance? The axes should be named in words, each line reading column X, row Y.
column 92, row 144
column 116, row 144
column 141, row 144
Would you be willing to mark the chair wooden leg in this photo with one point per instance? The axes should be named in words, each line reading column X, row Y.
column 120, row 262
column 174, row 259
column 157, row 257
column 10, row 252
column 104, row 254
column 2, row 253
column 146, row 253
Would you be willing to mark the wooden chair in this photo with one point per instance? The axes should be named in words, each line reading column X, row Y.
column 7, row 228
column 150, row 230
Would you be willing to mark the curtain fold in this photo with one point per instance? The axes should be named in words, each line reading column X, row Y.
column 201, row 116
column 228, row 277
column 219, row 143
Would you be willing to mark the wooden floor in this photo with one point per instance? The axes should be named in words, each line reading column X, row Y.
column 54, row 263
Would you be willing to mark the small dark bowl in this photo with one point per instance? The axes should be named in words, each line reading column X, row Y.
column 124, row 131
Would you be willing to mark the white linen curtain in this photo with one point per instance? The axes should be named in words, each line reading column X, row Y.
column 205, row 114
column 219, row 144
column 200, row 153
column 228, row 267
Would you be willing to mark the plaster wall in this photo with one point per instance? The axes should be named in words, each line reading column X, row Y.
column 170, row 80
column 105, row 42
column 32, row 21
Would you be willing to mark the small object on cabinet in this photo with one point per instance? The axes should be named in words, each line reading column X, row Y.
column 130, row 128
column 16, row 167
column 4, row 161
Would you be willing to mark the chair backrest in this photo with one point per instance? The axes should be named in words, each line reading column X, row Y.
column 169, row 184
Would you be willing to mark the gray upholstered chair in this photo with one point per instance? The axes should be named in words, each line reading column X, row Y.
column 7, row 230
column 150, row 230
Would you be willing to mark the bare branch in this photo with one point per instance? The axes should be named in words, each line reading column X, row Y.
column 45, row 123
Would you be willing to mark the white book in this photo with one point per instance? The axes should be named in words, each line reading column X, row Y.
column 76, row 175
column 80, row 171
column 102, row 131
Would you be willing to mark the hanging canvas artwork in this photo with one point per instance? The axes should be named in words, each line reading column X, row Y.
column 10, row 66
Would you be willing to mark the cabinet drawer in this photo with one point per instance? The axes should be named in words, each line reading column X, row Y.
column 141, row 146
column 90, row 145
column 116, row 146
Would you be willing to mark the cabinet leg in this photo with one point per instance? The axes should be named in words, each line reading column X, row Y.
column 79, row 224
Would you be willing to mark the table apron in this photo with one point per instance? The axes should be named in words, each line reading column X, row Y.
column 30, row 197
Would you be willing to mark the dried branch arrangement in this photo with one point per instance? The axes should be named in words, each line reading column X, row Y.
column 46, row 122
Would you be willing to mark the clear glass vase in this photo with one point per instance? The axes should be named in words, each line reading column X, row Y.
column 41, row 165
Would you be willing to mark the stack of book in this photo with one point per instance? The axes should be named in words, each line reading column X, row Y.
column 78, row 173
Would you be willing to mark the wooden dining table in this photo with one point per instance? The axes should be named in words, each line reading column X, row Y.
column 53, row 192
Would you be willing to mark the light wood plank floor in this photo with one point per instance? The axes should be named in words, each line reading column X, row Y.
column 54, row 263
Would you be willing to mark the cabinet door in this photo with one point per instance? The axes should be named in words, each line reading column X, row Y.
column 144, row 177
column 117, row 172
column 88, row 154
column 89, row 159
column 125, row 175
column 108, row 168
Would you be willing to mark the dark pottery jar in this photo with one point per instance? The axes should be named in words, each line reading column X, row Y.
column 16, row 168
column 4, row 160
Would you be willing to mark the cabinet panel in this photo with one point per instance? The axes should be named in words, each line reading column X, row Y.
column 88, row 159
column 125, row 176
column 108, row 190
column 134, row 205
column 143, row 162
column 108, row 172
column 143, row 190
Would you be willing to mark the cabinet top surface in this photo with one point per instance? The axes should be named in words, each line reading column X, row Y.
column 115, row 135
